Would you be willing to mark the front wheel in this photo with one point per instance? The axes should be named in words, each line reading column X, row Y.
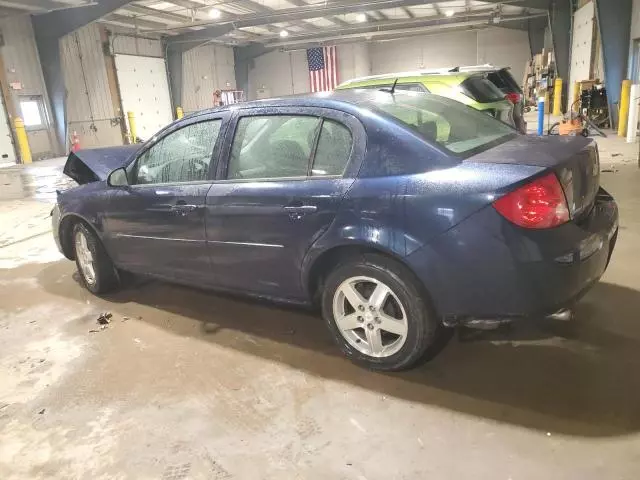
column 94, row 265
column 378, row 315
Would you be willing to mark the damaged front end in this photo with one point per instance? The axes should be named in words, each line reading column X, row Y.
column 94, row 165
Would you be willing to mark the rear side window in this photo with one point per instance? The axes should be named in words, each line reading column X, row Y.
column 481, row 90
column 334, row 149
column 411, row 87
column 279, row 147
column 286, row 146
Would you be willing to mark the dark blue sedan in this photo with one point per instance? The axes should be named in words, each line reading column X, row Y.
column 401, row 214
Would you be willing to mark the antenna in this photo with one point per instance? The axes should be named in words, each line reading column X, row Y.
column 393, row 87
column 391, row 90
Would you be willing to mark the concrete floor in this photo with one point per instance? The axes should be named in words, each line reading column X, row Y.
column 187, row 384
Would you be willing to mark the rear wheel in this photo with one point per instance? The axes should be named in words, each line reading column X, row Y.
column 378, row 315
column 94, row 265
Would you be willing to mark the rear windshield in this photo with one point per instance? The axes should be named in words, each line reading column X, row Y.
column 481, row 90
column 504, row 81
column 458, row 129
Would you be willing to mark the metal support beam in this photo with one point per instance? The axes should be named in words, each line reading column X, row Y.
column 614, row 20
column 243, row 63
column 536, row 28
column 152, row 12
column 560, row 16
column 48, row 29
column 134, row 22
column 479, row 19
column 303, row 13
column 174, row 65
column 42, row 5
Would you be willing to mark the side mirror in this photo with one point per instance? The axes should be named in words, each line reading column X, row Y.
column 118, row 178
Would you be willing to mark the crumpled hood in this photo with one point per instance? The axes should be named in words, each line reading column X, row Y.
column 86, row 166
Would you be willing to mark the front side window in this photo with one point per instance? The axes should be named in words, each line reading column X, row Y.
column 461, row 130
column 280, row 146
column 181, row 156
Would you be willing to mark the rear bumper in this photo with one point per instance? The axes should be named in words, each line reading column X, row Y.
column 489, row 268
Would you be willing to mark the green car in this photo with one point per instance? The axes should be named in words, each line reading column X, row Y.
column 471, row 88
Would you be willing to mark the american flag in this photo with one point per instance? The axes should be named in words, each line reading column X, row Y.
column 323, row 68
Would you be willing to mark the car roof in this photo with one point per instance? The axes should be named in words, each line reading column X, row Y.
column 425, row 75
column 345, row 100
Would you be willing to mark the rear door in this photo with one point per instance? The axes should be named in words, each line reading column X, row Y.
column 285, row 174
column 156, row 224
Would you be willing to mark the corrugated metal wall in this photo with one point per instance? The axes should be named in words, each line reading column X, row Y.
column 22, row 66
column 206, row 69
column 90, row 108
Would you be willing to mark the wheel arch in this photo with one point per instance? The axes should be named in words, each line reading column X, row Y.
column 320, row 266
column 65, row 232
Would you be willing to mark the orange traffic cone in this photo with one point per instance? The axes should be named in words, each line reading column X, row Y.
column 75, row 142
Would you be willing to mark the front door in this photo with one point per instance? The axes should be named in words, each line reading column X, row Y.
column 156, row 224
column 280, row 191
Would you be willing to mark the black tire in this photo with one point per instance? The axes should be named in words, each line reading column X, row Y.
column 425, row 336
column 592, row 126
column 106, row 277
column 554, row 129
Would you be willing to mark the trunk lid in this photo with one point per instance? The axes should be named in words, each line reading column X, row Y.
column 86, row 166
column 574, row 160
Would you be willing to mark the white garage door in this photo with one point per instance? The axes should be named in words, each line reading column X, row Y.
column 581, row 46
column 144, row 90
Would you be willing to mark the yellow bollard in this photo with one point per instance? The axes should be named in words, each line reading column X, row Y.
column 623, row 115
column 23, row 141
column 557, row 97
column 577, row 92
column 133, row 131
column 179, row 113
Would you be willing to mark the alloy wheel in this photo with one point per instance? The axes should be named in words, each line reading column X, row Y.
column 85, row 258
column 370, row 316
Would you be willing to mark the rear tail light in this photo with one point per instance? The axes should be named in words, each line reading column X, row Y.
column 513, row 98
column 539, row 204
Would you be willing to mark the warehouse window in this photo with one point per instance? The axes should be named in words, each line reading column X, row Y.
column 32, row 109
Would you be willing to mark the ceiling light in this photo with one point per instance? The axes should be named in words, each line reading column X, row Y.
column 361, row 18
column 284, row 33
column 449, row 13
column 214, row 13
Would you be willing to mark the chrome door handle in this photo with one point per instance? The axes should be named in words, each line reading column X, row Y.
column 183, row 209
column 301, row 209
